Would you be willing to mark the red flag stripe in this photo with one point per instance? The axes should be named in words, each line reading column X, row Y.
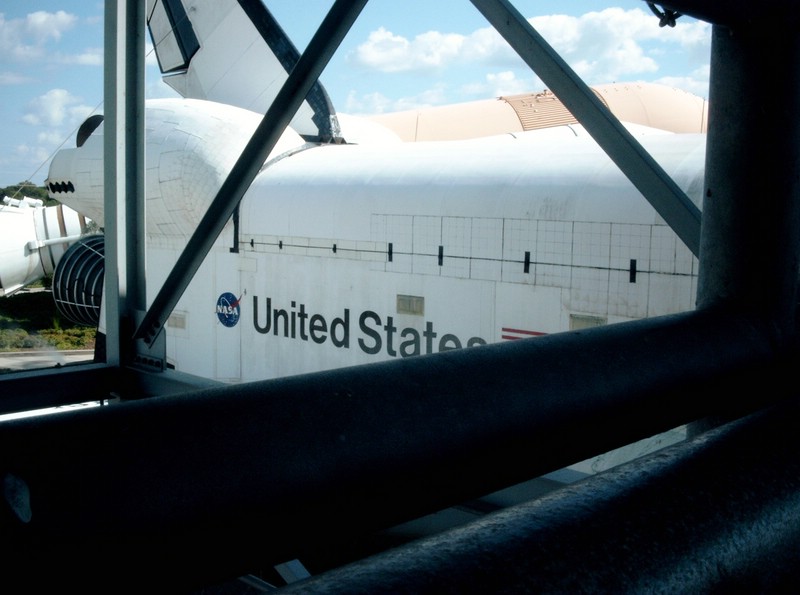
column 511, row 334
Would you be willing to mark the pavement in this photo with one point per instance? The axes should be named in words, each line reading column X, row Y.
column 15, row 361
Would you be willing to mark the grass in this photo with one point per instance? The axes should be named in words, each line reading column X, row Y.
column 29, row 320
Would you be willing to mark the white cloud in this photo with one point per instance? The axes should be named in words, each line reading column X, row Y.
column 13, row 78
column 46, row 25
column 150, row 58
column 507, row 83
column 377, row 103
column 54, row 118
column 50, row 137
column 603, row 46
column 56, row 108
column 369, row 103
column 89, row 57
column 156, row 88
column 427, row 98
column 25, row 39
column 27, row 158
column 696, row 82
column 497, row 84
column 612, row 44
column 388, row 52
column 30, row 39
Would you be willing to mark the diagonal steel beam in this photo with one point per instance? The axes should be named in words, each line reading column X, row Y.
column 642, row 170
column 312, row 62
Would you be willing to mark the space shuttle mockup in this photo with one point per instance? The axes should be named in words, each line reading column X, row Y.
column 375, row 247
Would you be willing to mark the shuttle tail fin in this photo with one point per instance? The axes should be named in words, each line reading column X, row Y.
column 234, row 52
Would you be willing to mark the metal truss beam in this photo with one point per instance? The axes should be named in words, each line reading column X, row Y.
column 124, row 166
column 751, row 208
column 717, row 514
column 307, row 459
column 302, row 78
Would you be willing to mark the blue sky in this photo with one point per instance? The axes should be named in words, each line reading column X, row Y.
column 399, row 55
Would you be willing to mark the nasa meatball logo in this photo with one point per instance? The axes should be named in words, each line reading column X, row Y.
column 228, row 309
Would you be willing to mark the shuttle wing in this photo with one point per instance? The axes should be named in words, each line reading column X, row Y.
column 233, row 52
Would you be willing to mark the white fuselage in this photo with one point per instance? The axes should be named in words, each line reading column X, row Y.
column 349, row 254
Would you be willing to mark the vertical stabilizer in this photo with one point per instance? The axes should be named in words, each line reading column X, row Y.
column 233, row 52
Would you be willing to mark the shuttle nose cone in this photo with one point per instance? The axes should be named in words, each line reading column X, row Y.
column 75, row 179
column 58, row 178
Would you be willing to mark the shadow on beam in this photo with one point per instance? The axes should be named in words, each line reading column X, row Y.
column 720, row 514
column 81, row 383
column 37, row 389
column 177, row 486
